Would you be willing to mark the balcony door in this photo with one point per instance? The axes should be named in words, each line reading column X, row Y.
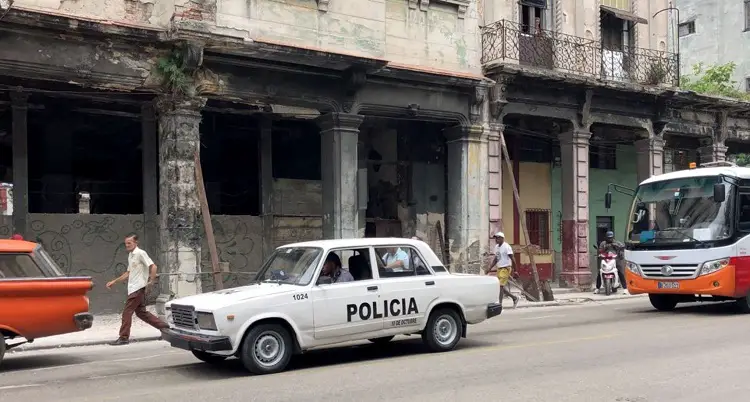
column 535, row 44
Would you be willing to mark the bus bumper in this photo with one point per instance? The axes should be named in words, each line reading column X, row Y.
column 720, row 283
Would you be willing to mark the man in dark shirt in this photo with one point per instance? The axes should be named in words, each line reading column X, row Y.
column 610, row 245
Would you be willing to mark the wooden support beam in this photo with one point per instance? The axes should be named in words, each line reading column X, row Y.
column 521, row 218
column 207, row 224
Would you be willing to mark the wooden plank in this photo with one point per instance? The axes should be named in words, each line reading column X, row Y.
column 218, row 280
column 521, row 218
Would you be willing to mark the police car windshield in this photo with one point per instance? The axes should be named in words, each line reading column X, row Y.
column 291, row 265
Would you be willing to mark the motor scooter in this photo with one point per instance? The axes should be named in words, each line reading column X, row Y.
column 608, row 272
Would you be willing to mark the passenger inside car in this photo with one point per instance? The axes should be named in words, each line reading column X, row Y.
column 396, row 259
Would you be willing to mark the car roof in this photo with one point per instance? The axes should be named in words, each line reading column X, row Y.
column 359, row 242
column 16, row 246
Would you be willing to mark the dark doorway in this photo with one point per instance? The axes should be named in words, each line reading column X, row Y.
column 603, row 224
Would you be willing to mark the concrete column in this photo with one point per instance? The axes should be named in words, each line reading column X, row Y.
column 574, row 148
column 650, row 157
column 716, row 152
column 19, row 105
column 495, row 178
column 150, row 178
column 266, row 185
column 467, row 222
column 181, row 230
column 339, row 139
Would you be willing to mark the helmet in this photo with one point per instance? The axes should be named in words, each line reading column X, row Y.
column 610, row 234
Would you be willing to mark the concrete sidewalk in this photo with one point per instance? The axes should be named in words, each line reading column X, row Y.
column 106, row 327
column 565, row 297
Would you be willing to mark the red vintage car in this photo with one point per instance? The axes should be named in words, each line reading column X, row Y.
column 36, row 298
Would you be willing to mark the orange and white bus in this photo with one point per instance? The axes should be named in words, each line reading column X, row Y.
column 688, row 236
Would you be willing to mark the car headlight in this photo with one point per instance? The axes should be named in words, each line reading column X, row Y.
column 710, row 267
column 633, row 267
column 206, row 321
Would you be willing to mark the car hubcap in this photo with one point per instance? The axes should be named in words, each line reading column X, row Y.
column 445, row 330
column 269, row 349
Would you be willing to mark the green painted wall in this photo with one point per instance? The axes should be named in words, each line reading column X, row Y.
column 625, row 175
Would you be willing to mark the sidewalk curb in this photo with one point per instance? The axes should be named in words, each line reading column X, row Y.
column 30, row 347
column 578, row 300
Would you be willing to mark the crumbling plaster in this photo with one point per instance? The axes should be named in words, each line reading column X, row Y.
column 436, row 36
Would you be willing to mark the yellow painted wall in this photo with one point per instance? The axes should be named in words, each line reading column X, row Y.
column 535, row 190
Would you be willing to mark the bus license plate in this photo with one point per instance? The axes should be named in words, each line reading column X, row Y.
column 669, row 285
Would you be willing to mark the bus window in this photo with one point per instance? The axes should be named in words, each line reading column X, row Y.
column 744, row 221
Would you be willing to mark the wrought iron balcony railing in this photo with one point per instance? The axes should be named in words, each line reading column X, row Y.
column 506, row 41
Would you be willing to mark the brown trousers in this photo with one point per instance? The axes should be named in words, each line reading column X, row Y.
column 136, row 303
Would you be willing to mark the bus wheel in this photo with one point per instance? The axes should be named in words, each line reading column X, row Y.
column 742, row 305
column 663, row 302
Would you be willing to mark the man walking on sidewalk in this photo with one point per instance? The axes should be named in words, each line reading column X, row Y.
column 141, row 274
column 502, row 266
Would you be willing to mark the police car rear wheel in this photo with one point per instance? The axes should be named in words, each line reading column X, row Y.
column 208, row 357
column 381, row 341
column 266, row 349
column 443, row 330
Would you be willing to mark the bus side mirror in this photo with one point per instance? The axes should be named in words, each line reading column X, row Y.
column 719, row 194
column 608, row 199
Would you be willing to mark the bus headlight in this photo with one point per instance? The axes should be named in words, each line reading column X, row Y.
column 710, row 267
column 633, row 267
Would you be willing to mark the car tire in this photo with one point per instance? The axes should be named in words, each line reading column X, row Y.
column 382, row 340
column 266, row 349
column 663, row 302
column 443, row 330
column 742, row 305
column 208, row 357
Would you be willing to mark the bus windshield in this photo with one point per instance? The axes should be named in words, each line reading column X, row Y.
column 680, row 210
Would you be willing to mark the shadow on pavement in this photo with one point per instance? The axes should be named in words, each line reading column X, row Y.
column 20, row 361
column 706, row 308
column 367, row 353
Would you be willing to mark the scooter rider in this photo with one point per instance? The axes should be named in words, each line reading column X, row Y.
column 610, row 245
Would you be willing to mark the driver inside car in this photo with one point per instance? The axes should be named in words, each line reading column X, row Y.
column 332, row 269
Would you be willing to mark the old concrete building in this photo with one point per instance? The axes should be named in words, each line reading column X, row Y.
column 712, row 32
column 328, row 118
column 589, row 87
column 313, row 119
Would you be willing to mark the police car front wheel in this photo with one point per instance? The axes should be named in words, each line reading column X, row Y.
column 266, row 349
column 443, row 330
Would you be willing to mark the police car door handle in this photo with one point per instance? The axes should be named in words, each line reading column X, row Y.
column 372, row 288
column 429, row 283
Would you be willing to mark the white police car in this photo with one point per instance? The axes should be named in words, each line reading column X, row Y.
column 399, row 287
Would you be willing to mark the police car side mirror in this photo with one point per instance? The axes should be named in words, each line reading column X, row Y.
column 325, row 280
column 719, row 194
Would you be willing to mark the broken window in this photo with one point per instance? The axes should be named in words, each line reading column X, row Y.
column 230, row 158
column 296, row 150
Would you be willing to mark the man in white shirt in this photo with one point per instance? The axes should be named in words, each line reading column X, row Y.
column 141, row 274
column 396, row 259
column 502, row 265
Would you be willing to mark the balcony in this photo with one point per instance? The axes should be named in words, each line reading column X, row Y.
column 504, row 42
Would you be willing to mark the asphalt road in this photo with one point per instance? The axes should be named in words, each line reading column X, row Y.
column 617, row 351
